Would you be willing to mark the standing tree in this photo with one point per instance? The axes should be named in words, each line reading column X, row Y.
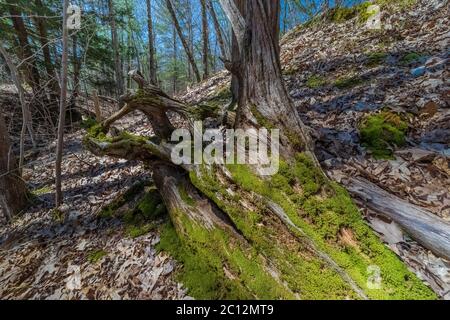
column 62, row 108
column 116, row 49
column 151, row 44
column 205, row 35
column 13, row 193
column 218, row 30
column 293, row 235
column 187, row 49
column 25, row 53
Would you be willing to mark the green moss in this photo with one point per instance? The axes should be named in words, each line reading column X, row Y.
column 401, row 4
column 381, row 132
column 41, row 191
column 96, row 255
column 342, row 14
column 348, row 82
column 216, row 267
column 136, row 189
column 211, row 107
column 315, row 82
column 363, row 13
column 136, row 231
column 185, row 196
column 376, row 58
column 57, row 215
column 140, row 219
column 410, row 57
column 322, row 210
column 262, row 121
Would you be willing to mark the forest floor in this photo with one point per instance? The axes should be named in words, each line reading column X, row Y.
column 338, row 74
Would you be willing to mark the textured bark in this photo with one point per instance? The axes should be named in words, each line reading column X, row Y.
column 25, row 52
column 13, row 193
column 423, row 226
column 189, row 53
column 62, row 108
column 151, row 44
column 260, row 81
column 205, row 35
column 26, row 115
column 218, row 30
column 115, row 43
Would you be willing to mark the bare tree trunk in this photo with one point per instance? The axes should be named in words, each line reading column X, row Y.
column 175, row 62
column 115, row 43
column 218, row 30
column 62, row 109
column 205, row 35
column 13, row 193
column 49, row 68
column 151, row 44
column 26, row 54
column 26, row 115
column 188, row 51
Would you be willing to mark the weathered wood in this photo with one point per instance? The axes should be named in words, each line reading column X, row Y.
column 426, row 228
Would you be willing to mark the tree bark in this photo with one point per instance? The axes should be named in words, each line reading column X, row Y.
column 26, row 54
column 62, row 109
column 151, row 44
column 13, row 193
column 115, row 43
column 26, row 115
column 188, row 51
column 218, row 29
column 205, row 35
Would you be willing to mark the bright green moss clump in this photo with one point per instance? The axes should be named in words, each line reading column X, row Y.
column 325, row 212
column 410, row 57
column 376, row 58
column 315, row 82
column 96, row 255
column 348, row 82
column 216, row 267
column 382, row 132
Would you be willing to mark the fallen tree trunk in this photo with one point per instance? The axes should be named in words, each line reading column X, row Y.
column 426, row 228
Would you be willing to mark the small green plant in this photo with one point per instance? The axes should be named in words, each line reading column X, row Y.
column 342, row 14
column 136, row 231
column 410, row 58
column 376, row 58
column 347, row 82
column 140, row 220
column 57, row 215
column 381, row 132
column 96, row 255
column 41, row 191
column 315, row 82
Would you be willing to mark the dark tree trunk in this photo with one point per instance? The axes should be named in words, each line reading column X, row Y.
column 151, row 44
column 116, row 49
column 205, row 35
column 260, row 83
column 218, row 29
column 13, row 193
column 25, row 52
column 189, row 53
